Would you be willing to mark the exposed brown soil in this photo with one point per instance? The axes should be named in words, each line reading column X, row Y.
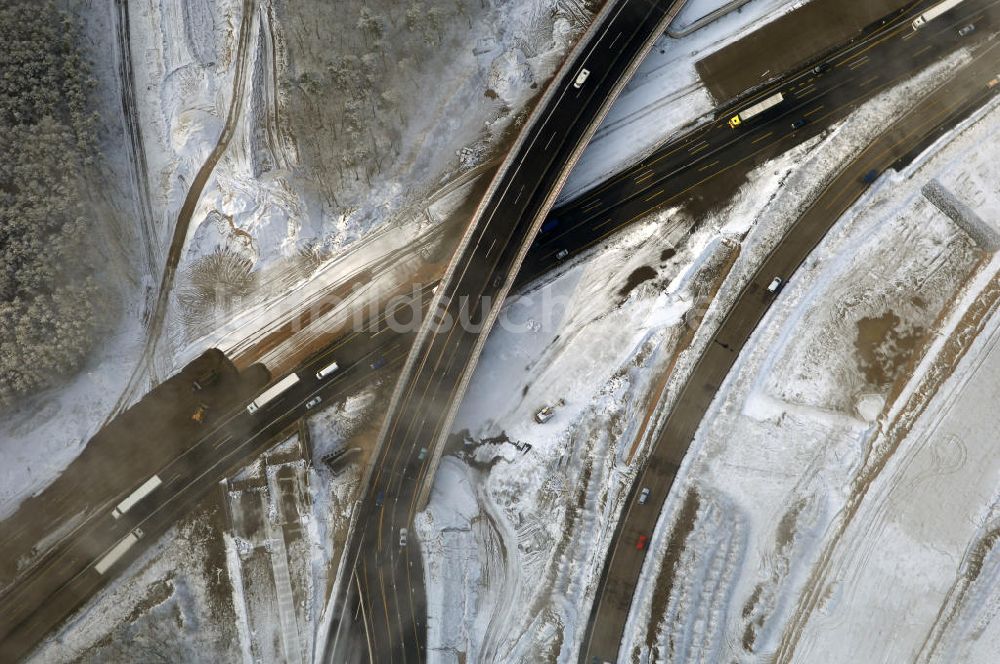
column 886, row 346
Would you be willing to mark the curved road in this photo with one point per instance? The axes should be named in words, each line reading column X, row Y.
column 624, row 564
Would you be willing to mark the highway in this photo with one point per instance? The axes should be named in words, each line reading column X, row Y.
column 623, row 566
column 66, row 577
column 710, row 162
column 379, row 611
column 386, row 595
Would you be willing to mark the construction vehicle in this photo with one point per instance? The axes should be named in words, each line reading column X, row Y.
column 199, row 413
column 545, row 414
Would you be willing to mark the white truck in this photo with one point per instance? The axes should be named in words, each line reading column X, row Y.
column 117, row 551
column 272, row 392
column 934, row 12
column 327, row 370
column 756, row 109
column 144, row 490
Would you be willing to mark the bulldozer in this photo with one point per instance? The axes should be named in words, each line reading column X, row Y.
column 199, row 413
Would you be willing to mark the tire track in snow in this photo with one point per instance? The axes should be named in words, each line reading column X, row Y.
column 183, row 223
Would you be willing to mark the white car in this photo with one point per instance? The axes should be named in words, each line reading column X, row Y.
column 644, row 495
column 402, row 536
column 775, row 285
column 312, row 403
column 562, row 254
column 581, row 78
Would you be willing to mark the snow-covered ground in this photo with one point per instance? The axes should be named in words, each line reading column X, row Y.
column 297, row 177
column 44, row 433
column 834, row 522
column 216, row 587
column 186, row 58
column 518, row 519
column 666, row 94
column 172, row 605
column 516, row 531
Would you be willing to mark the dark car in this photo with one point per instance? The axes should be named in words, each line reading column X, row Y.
column 378, row 363
column 821, row 68
column 870, row 176
column 800, row 123
column 550, row 224
column 379, row 498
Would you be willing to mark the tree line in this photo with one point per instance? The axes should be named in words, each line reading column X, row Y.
column 47, row 139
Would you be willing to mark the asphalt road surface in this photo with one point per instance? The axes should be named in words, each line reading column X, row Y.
column 388, row 579
column 623, row 566
column 711, row 161
column 66, row 577
column 379, row 614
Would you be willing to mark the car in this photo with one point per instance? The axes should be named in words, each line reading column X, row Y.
column 379, row 498
column 644, row 495
column 966, row 30
column 550, row 225
column 776, row 285
column 378, row 363
column 423, row 454
column 641, row 543
column 563, row 253
column 312, row 403
column 821, row 68
column 800, row 123
column 870, row 176
column 403, row 532
column 581, row 78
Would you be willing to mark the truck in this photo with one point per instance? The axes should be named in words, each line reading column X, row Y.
column 934, row 12
column 117, row 551
column 272, row 392
column 756, row 109
column 144, row 490
column 327, row 370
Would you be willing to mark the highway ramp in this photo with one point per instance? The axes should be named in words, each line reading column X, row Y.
column 624, row 564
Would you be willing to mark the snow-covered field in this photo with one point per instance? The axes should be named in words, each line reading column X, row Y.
column 837, row 522
column 304, row 175
column 172, row 605
column 265, row 207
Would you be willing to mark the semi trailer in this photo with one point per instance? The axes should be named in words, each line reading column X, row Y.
column 144, row 490
column 934, row 12
column 271, row 393
column 756, row 109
